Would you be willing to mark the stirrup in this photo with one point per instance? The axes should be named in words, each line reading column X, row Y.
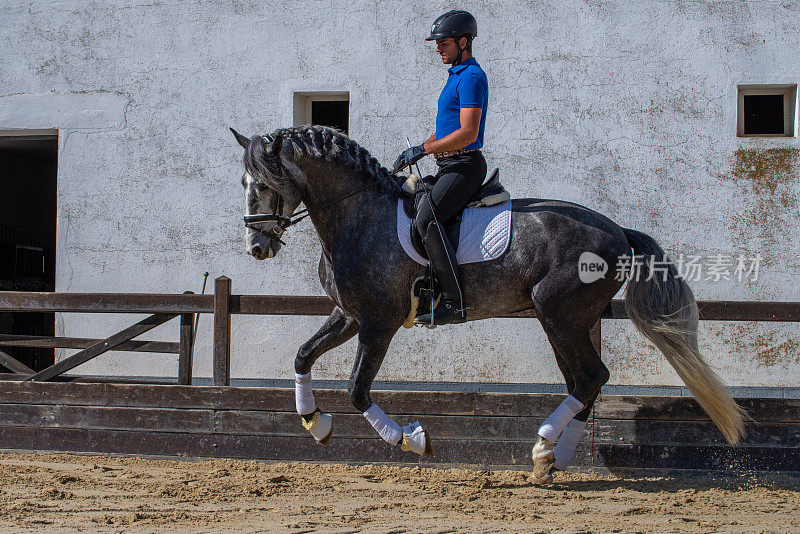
column 447, row 312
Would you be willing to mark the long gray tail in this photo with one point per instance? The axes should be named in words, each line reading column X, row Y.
column 663, row 308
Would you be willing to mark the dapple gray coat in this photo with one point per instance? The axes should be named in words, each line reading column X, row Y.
column 364, row 270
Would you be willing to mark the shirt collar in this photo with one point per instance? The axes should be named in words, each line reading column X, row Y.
column 463, row 65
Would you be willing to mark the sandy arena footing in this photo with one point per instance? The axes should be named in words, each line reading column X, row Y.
column 74, row 493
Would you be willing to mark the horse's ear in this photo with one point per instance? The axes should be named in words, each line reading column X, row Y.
column 275, row 148
column 244, row 141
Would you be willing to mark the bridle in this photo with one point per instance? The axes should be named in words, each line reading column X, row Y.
column 283, row 222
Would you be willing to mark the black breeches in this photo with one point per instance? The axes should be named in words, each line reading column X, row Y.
column 458, row 179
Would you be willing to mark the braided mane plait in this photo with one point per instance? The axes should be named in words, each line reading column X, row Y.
column 326, row 143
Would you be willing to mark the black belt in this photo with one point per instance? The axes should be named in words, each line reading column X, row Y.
column 442, row 155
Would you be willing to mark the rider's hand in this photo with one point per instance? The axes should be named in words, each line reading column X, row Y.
column 408, row 157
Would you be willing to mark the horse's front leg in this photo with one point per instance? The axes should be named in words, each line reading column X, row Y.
column 372, row 347
column 337, row 329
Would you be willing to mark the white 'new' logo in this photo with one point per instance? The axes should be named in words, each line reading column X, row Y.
column 591, row 267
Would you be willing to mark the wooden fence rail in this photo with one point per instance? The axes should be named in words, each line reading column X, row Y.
column 18, row 301
column 222, row 304
column 37, row 412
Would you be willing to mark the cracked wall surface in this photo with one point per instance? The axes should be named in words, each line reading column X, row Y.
column 626, row 107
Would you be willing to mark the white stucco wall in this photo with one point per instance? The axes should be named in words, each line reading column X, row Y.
column 626, row 107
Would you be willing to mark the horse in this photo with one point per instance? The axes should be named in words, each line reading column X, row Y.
column 352, row 202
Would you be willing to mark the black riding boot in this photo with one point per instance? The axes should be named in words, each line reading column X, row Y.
column 443, row 260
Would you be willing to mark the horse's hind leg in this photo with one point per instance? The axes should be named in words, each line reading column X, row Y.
column 337, row 329
column 573, row 433
column 570, row 337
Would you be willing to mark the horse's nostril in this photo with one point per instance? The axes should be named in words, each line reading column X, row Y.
column 256, row 251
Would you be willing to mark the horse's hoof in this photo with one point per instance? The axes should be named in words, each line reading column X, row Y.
column 428, row 445
column 547, row 479
column 416, row 439
column 320, row 426
column 544, row 458
column 327, row 439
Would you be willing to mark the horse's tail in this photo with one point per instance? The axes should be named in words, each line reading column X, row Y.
column 663, row 308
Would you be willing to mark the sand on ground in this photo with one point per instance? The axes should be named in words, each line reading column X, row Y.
column 71, row 493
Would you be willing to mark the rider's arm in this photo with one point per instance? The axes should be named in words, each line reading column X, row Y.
column 470, row 125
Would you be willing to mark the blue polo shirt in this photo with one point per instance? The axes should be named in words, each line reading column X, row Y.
column 466, row 87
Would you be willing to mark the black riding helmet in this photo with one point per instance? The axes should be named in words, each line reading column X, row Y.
column 455, row 24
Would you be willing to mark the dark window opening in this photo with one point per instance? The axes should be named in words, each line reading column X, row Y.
column 28, row 167
column 763, row 114
column 333, row 113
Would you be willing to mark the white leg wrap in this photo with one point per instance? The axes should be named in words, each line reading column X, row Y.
column 553, row 425
column 568, row 443
column 385, row 427
column 304, row 394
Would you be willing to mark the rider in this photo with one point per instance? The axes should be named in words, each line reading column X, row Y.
column 456, row 146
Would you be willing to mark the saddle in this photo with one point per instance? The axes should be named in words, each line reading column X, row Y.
column 490, row 193
column 425, row 291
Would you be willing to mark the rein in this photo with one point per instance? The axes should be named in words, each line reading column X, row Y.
column 282, row 223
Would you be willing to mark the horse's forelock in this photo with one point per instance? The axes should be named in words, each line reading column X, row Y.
column 259, row 166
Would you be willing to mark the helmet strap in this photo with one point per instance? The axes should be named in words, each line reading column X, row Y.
column 460, row 50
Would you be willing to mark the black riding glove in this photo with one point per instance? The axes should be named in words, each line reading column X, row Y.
column 408, row 157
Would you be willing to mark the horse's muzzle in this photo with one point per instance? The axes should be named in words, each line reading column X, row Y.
column 258, row 252
column 262, row 252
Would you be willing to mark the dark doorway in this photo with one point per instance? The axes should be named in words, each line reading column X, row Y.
column 28, row 168
column 333, row 113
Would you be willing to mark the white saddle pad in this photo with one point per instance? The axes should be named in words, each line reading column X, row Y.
column 484, row 235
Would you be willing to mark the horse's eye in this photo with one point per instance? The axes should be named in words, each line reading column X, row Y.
column 261, row 187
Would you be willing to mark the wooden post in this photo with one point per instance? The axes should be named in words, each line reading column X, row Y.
column 222, row 331
column 185, row 356
column 595, row 335
column 186, row 347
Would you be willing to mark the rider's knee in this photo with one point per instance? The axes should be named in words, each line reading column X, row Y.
column 432, row 227
column 424, row 217
column 421, row 222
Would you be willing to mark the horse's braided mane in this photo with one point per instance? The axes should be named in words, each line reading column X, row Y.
column 333, row 145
